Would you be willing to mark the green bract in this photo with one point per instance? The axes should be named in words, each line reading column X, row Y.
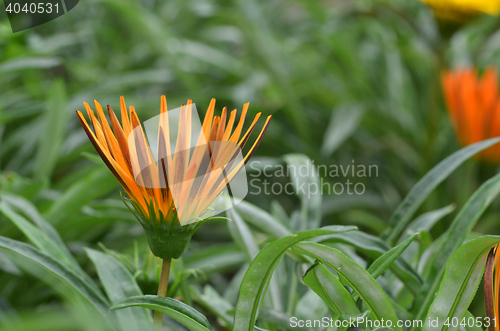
column 167, row 238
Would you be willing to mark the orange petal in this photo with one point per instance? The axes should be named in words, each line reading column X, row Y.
column 125, row 119
column 127, row 182
column 229, row 126
column 237, row 132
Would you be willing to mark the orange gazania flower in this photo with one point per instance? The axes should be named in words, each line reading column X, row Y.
column 474, row 107
column 492, row 288
column 166, row 201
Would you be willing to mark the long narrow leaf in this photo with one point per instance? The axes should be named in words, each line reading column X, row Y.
column 356, row 277
column 43, row 235
column 241, row 234
column 119, row 285
column 36, row 236
column 308, row 189
column 426, row 221
column 99, row 182
column 30, row 211
column 375, row 247
column 59, row 270
column 380, row 265
column 256, row 281
column 55, row 119
column 182, row 313
column 454, row 237
column 460, row 282
column 329, row 288
column 262, row 220
column 466, row 219
column 426, row 185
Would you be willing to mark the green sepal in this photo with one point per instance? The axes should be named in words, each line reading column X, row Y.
column 167, row 238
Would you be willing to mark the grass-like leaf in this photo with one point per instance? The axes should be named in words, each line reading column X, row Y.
column 466, row 219
column 43, row 235
column 241, row 234
column 99, row 182
column 58, row 269
column 36, row 236
column 454, row 237
column 119, row 285
column 375, row 247
column 182, row 313
column 381, row 264
column 426, row 221
column 460, row 282
column 330, row 290
column 356, row 277
column 54, row 123
column 424, row 187
column 303, row 186
column 256, row 281
column 262, row 219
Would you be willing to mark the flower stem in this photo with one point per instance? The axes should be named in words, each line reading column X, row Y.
column 162, row 291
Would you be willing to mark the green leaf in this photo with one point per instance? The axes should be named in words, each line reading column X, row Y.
column 356, row 277
column 375, row 248
column 27, row 208
column 61, row 271
column 466, row 219
column 67, row 319
column 471, row 326
column 308, row 306
column 343, row 202
column 241, row 234
column 261, row 219
column 179, row 311
column 380, row 265
column 460, row 282
column 271, row 53
column 216, row 258
column 43, row 235
column 54, row 127
column 426, row 185
column 365, row 219
column 343, row 124
column 278, row 212
column 36, row 236
column 454, row 237
column 329, row 288
column 211, row 300
column 119, row 285
column 29, row 63
column 280, row 320
column 307, row 187
column 426, row 221
column 96, row 184
column 256, row 280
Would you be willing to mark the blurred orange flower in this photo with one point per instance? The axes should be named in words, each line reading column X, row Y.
column 474, row 107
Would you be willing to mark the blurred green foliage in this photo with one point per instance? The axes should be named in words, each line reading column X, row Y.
column 344, row 80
